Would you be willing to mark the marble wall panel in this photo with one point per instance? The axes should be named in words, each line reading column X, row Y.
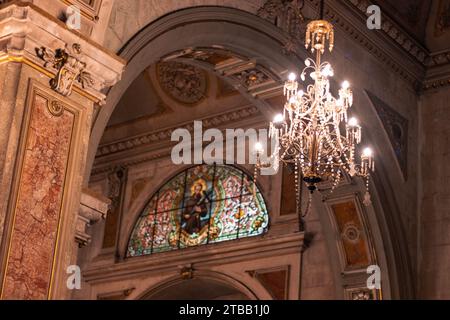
column 37, row 211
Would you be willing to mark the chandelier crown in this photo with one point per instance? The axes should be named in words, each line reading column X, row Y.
column 318, row 32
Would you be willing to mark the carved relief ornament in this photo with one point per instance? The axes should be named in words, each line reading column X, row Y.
column 70, row 68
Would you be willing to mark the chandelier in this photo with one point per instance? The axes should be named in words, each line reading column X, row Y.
column 314, row 133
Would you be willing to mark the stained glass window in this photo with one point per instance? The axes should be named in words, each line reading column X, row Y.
column 204, row 204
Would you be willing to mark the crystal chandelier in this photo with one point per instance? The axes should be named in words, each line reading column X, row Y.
column 314, row 133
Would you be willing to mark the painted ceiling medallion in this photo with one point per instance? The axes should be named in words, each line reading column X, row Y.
column 351, row 233
column 182, row 82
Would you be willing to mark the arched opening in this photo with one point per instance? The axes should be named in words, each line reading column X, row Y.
column 236, row 49
column 195, row 289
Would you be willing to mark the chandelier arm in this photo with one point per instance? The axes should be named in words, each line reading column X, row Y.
column 310, row 134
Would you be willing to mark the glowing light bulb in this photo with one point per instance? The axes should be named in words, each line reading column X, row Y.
column 367, row 152
column 328, row 71
column 345, row 85
column 278, row 118
column 301, row 93
column 352, row 122
column 292, row 76
column 259, row 147
column 292, row 100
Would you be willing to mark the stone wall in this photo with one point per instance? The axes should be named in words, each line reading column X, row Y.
column 434, row 223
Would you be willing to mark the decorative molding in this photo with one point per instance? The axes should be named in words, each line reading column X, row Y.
column 337, row 13
column 252, row 78
column 116, row 184
column 275, row 11
column 165, row 134
column 361, row 294
column 436, row 84
column 443, row 18
column 420, row 54
column 116, row 295
column 187, row 272
column 56, row 108
column 26, row 29
column 359, row 37
column 286, row 15
column 242, row 72
column 215, row 254
column 184, row 83
column 89, row 8
column 391, row 29
column 159, row 150
column 115, row 181
column 439, row 58
column 132, row 162
column 70, row 68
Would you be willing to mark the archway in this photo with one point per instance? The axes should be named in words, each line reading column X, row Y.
column 185, row 35
column 201, row 288
column 239, row 33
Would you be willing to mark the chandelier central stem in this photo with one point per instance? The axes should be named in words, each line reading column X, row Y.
column 322, row 7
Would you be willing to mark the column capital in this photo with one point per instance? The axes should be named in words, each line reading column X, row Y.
column 73, row 62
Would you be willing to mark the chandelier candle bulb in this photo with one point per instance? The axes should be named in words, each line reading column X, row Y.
column 367, row 153
column 292, row 77
column 367, row 160
column 259, row 148
column 353, row 122
column 278, row 121
column 291, row 86
column 345, row 85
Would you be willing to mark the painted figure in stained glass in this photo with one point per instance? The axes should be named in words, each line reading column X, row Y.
column 195, row 215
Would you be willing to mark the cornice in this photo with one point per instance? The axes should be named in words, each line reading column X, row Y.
column 157, row 144
column 434, row 67
column 164, row 135
column 226, row 252
column 387, row 44
column 439, row 58
column 438, row 71
column 396, row 33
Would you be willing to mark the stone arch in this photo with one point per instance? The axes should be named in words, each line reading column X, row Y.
column 207, row 277
column 254, row 38
column 215, row 27
column 144, row 12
